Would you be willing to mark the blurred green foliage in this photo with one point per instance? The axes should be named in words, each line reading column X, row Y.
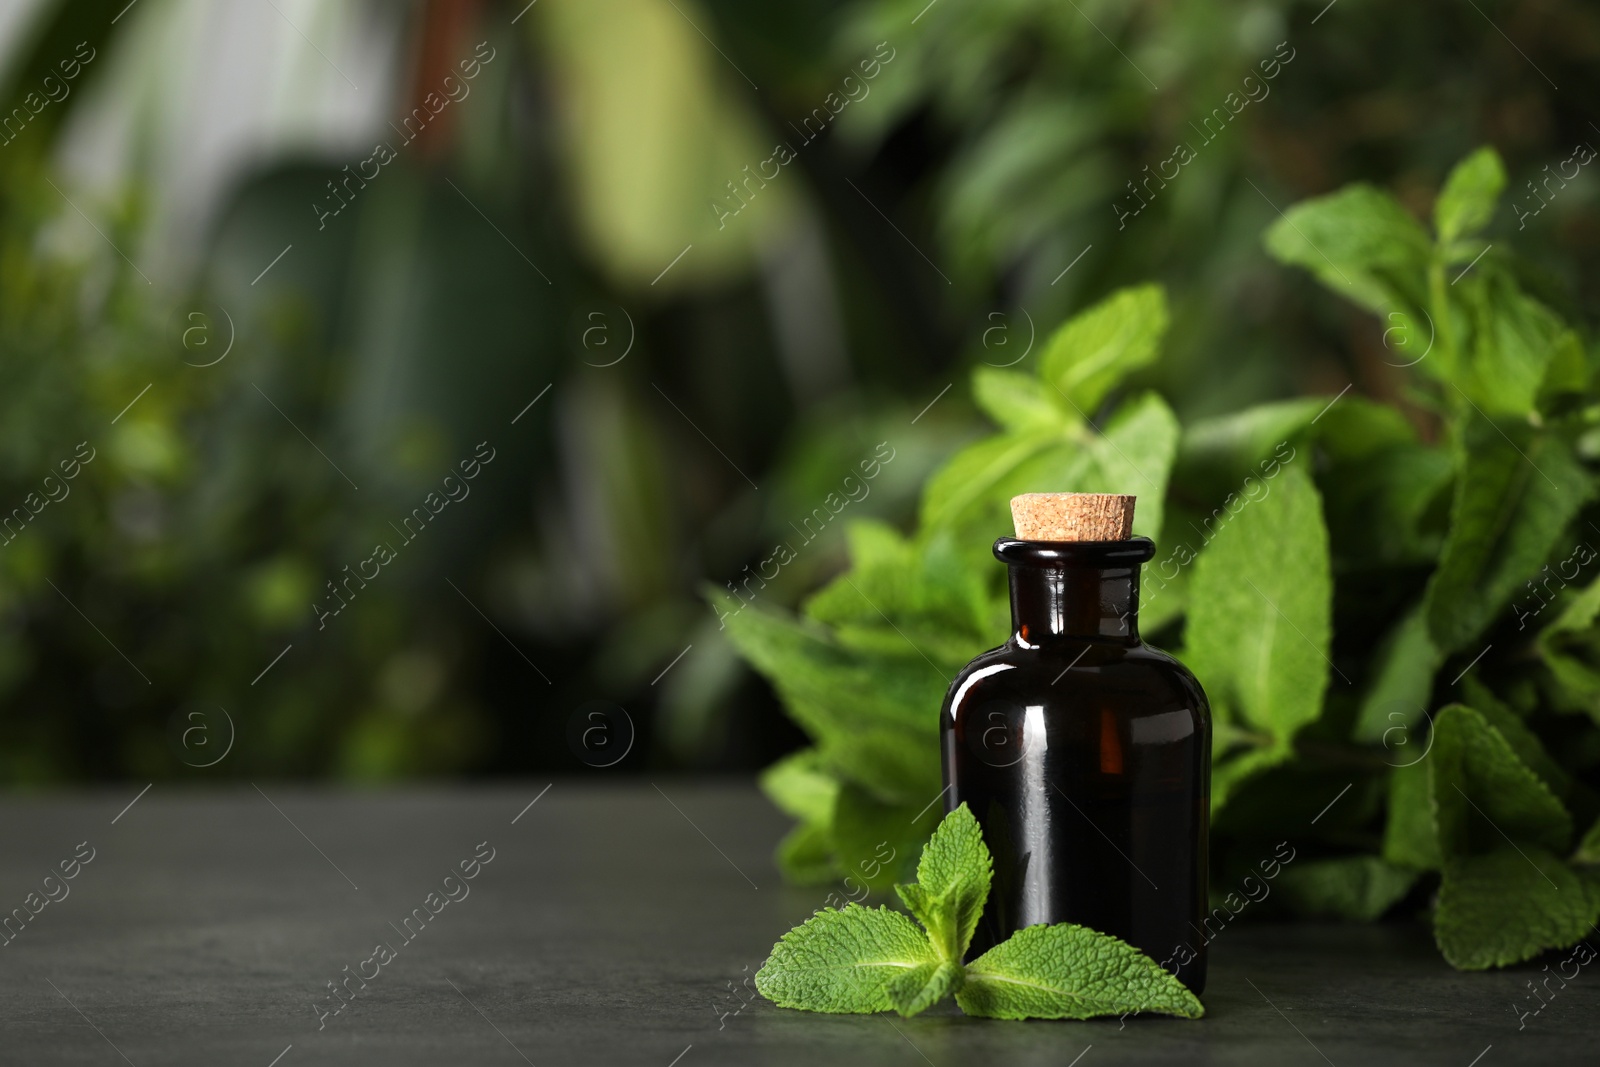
column 973, row 196
column 188, row 548
column 1404, row 664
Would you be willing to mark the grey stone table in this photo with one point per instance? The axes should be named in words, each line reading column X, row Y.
column 611, row 924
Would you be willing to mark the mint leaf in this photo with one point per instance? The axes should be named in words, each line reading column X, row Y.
column 1409, row 836
column 1514, row 339
column 1134, row 455
column 843, row 961
column 1070, row 972
column 923, row 986
column 953, row 878
column 1360, row 243
column 1094, row 350
column 969, row 498
column 1588, row 851
column 1217, row 454
column 1483, row 796
column 1568, row 370
column 1580, row 612
column 971, row 490
column 888, row 761
column 1516, row 492
column 805, row 855
column 1509, row 906
column 1360, row 888
column 1164, row 594
column 1467, row 201
column 1230, row 771
column 1258, row 627
column 1357, row 428
column 1568, row 647
column 1523, row 741
column 867, row 713
column 1385, row 508
column 956, row 861
column 1393, row 709
column 802, row 786
column 901, row 597
column 1577, row 683
column 1018, row 401
column 876, row 841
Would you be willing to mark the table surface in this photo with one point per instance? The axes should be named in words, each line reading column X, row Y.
column 614, row 924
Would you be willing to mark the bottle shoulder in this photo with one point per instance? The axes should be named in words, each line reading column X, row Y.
column 1138, row 679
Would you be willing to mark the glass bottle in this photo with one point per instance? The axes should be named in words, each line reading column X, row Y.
column 1085, row 755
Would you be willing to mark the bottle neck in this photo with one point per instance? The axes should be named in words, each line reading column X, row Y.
column 1087, row 590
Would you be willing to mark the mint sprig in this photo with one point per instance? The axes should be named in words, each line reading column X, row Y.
column 862, row 960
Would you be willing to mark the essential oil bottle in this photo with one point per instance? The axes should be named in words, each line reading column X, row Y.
column 1084, row 753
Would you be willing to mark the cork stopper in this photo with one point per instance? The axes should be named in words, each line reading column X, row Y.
column 1073, row 516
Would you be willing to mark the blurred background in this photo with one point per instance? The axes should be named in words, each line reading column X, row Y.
column 383, row 385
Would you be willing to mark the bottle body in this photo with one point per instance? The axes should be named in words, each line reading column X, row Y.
column 1085, row 756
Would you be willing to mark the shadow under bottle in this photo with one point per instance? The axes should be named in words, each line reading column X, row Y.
column 1085, row 756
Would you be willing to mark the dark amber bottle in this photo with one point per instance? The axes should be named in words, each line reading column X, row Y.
column 1085, row 755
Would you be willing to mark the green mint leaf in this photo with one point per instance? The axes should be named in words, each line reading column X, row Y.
column 802, row 786
column 968, row 499
column 970, row 493
column 1568, row 370
column 1467, row 201
column 1360, row 243
column 927, row 909
column 1259, row 609
column 923, row 986
column 1409, row 836
column 1514, row 339
column 867, row 713
column 1523, row 741
column 1568, row 647
column 1384, row 506
column 1230, row 772
column 1508, row 906
column 805, row 855
column 1580, row 613
column 1591, row 883
column 1358, row 428
column 900, row 593
column 1218, row 453
column 1588, row 852
column 1514, row 497
column 952, row 885
column 1484, row 796
column 1360, row 888
column 1392, row 712
column 1577, row 680
column 843, row 961
column 888, row 761
column 1070, row 972
column 877, row 841
column 1134, row 455
column 1164, row 596
column 1018, row 401
column 1094, row 350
